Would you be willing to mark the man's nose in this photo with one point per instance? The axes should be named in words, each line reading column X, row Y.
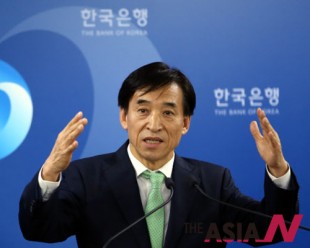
column 154, row 122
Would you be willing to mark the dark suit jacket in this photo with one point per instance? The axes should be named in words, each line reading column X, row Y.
column 99, row 196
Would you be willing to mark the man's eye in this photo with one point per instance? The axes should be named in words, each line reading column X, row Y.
column 142, row 111
column 168, row 113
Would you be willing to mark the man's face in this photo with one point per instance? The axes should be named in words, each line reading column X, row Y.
column 155, row 123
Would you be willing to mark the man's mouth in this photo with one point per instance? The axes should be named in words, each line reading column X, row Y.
column 150, row 140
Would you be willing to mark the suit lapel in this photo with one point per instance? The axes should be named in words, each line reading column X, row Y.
column 181, row 202
column 123, row 182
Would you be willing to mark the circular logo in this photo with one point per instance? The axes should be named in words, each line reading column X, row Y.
column 16, row 109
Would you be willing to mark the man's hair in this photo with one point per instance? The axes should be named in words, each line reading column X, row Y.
column 152, row 77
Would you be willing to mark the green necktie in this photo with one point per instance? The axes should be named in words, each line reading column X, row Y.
column 155, row 221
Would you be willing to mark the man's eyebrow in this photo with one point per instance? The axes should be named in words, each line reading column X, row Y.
column 142, row 101
column 168, row 104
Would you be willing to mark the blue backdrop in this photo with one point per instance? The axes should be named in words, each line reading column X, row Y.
column 58, row 57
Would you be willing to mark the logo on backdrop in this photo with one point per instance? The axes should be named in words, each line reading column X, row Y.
column 242, row 101
column 108, row 22
column 16, row 109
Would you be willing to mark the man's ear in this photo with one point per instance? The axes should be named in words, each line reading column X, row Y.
column 123, row 118
column 186, row 124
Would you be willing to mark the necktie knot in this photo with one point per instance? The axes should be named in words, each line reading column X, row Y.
column 156, row 178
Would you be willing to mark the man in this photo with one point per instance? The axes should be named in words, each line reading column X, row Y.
column 95, row 198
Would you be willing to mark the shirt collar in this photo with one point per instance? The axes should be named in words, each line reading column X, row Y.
column 166, row 169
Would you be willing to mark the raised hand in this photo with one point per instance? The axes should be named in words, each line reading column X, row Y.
column 66, row 143
column 269, row 145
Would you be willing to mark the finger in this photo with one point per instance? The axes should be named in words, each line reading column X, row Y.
column 264, row 120
column 67, row 137
column 71, row 136
column 255, row 131
column 275, row 141
column 264, row 123
column 73, row 127
column 76, row 126
column 261, row 117
column 71, row 148
column 270, row 127
column 74, row 120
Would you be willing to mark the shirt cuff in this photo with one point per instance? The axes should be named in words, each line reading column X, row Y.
column 47, row 187
column 283, row 181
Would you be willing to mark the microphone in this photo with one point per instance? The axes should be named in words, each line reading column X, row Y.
column 195, row 183
column 170, row 185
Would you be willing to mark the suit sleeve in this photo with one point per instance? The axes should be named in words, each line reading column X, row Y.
column 275, row 201
column 53, row 220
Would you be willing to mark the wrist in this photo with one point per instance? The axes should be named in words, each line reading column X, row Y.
column 49, row 174
column 279, row 171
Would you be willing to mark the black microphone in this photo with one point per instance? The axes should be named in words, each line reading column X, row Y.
column 170, row 185
column 195, row 183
